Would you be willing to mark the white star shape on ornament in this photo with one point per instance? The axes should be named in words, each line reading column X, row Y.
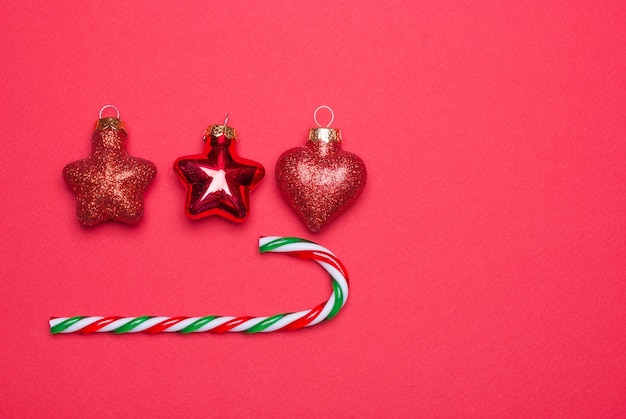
column 218, row 182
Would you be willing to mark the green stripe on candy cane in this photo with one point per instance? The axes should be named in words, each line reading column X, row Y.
column 60, row 327
column 197, row 324
column 282, row 241
column 128, row 327
column 293, row 246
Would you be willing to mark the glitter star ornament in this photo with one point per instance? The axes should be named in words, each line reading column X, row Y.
column 109, row 183
column 218, row 181
column 320, row 180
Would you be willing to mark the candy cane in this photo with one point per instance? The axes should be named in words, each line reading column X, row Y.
column 292, row 246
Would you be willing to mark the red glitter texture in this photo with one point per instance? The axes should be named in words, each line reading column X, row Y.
column 320, row 181
column 109, row 183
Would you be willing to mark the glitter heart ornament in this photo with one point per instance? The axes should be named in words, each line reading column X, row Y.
column 320, row 180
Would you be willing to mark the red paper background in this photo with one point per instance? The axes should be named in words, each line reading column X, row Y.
column 486, row 252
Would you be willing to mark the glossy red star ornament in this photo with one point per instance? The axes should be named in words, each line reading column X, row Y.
column 109, row 183
column 218, row 181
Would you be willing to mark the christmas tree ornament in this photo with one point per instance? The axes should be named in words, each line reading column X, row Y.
column 292, row 246
column 218, row 181
column 320, row 180
column 109, row 183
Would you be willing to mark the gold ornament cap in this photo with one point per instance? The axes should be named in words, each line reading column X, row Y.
column 326, row 135
column 219, row 130
column 114, row 123
column 110, row 123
